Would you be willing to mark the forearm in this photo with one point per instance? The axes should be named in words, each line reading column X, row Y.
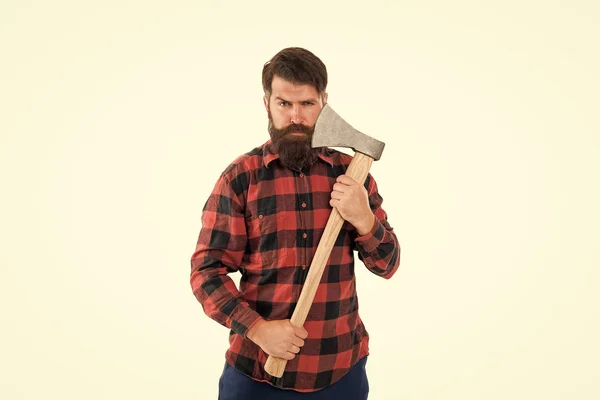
column 379, row 249
column 219, row 251
column 376, row 243
column 220, row 298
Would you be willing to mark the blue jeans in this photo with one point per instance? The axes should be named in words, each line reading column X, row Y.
column 234, row 385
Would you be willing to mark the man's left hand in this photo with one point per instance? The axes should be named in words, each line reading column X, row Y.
column 352, row 202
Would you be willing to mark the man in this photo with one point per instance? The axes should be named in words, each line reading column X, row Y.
column 264, row 218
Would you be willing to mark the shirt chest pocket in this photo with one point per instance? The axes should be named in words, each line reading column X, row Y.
column 265, row 237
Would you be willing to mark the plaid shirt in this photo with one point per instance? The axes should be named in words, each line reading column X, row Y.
column 265, row 221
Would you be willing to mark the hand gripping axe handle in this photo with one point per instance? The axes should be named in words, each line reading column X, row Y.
column 330, row 131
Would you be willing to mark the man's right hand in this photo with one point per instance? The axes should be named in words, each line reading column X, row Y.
column 278, row 338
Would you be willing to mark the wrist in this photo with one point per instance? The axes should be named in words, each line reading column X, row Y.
column 253, row 331
column 365, row 225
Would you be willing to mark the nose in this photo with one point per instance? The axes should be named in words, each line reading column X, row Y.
column 296, row 115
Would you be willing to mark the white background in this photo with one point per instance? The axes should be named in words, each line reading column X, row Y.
column 116, row 119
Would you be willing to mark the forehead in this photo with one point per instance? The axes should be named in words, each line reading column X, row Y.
column 288, row 90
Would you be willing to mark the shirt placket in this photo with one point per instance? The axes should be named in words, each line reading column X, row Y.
column 303, row 246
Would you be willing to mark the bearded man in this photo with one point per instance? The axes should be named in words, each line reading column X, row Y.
column 264, row 219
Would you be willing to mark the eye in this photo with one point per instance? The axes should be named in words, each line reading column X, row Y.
column 309, row 103
column 283, row 103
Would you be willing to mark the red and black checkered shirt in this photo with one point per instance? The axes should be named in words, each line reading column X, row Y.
column 265, row 221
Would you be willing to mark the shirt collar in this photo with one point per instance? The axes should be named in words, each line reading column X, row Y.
column 269, row 155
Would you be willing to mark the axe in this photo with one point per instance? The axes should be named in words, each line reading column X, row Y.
column 330, row 131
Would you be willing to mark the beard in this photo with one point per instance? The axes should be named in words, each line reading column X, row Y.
column 295, row 152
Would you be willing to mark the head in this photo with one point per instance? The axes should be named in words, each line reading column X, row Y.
column 294, row 83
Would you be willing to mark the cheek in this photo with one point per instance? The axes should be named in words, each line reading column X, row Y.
column 312, row 116
column 276, row 117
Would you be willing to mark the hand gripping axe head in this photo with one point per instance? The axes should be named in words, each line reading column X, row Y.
column 330, row 131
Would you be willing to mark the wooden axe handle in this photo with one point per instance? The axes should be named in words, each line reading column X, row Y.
column 358, row 170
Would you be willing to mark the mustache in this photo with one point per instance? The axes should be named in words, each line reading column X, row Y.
column 281, row 134
column 296, row 128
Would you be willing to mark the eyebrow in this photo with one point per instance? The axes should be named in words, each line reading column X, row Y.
column 302, row 101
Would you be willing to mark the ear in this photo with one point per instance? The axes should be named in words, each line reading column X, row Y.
column 325, row 98
column 266, row 101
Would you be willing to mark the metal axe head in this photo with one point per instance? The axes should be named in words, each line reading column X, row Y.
column 332, row 131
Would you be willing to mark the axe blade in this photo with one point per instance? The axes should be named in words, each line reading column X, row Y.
column 332, row 131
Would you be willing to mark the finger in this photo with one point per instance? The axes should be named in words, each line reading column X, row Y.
column 296, row 341
column 289, row 327
column 301, row 332
column 336, row 195
column 286, row 355
column 346, row 180
column 294, row 349
column 340, row 187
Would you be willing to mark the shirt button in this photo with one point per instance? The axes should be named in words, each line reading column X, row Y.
column 304, row 267
column 304, row 235
column 303, row 205
column 301, row 175
column 260, row 216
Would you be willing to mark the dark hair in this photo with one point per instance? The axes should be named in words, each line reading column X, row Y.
column 296, row 65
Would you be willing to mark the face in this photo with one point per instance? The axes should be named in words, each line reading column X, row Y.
column 293, row 110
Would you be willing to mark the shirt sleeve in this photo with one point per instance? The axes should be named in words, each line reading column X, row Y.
column 219, row 251
column 379, row 249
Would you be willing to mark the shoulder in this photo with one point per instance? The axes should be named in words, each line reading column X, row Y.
column 244, row 163
column 238, row 172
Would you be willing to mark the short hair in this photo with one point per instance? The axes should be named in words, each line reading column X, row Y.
column 296, row 65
